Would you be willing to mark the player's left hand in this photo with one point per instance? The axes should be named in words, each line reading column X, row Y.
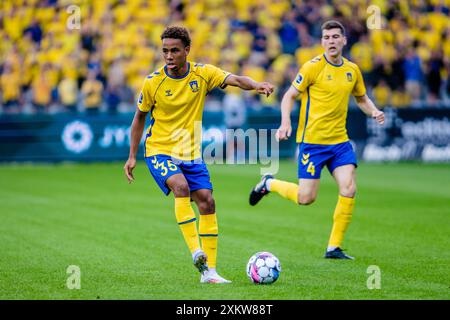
column 378, row 116
column 265, row 88
column 128, row 168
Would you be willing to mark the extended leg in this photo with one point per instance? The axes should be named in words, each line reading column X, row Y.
column 304, row 193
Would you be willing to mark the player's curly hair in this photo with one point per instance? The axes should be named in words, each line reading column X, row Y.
column 333, row 24
column 175, row 32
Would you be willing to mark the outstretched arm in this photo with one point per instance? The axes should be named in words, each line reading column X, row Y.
column 369, row 108
column 137, row 127
column 287, row 103
column 248, row 83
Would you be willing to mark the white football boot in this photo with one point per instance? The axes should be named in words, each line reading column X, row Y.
column 211, row 276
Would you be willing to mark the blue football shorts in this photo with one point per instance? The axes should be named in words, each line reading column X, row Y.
column 312, row 158
column 162, row 167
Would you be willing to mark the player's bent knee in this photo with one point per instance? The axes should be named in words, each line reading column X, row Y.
column 348, row 192
column 306, row 199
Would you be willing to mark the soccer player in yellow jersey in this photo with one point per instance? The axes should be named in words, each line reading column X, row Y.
column 175, row 96
column 325, row 84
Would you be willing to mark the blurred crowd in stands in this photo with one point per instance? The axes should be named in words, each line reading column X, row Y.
column 93, row 55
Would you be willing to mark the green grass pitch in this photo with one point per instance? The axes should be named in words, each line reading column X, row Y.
column 125, row 240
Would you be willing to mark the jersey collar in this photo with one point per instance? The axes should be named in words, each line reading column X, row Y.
column 179, row 77
column 335, row 65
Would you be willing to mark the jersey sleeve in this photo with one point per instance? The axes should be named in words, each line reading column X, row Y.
column 145, row 101
column 216, row 77
column 305, row 77
column 359, row 89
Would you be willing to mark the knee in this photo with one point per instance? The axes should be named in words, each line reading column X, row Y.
column 306, row 199
column 207, row 205
column 181, row 190
column 348, row 191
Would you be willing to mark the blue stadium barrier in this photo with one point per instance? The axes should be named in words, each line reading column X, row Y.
column 409, row 134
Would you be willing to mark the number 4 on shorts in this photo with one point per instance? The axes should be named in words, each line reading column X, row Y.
column 311, row 169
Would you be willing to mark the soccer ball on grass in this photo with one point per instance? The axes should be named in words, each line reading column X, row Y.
column 263, row 268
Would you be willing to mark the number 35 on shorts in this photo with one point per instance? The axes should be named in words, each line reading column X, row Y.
column 163, row 166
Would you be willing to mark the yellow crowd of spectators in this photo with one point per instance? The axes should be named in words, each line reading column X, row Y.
column 120, row 41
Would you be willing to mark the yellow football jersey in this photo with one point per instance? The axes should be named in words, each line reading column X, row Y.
column 176, row 109
column 326, row 89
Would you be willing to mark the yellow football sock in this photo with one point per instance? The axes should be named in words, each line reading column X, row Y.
column 341, row 219
column 186, row 220
column 285, row 189
column 208, row 231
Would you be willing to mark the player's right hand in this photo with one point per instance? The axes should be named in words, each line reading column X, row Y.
column 283, row 132
column 265, row 88
column 128, row 168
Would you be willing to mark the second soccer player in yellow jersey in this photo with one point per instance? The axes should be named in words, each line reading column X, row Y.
column 325, row 84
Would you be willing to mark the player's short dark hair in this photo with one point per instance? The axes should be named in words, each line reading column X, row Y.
column 177, row 33
column 333, row 24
